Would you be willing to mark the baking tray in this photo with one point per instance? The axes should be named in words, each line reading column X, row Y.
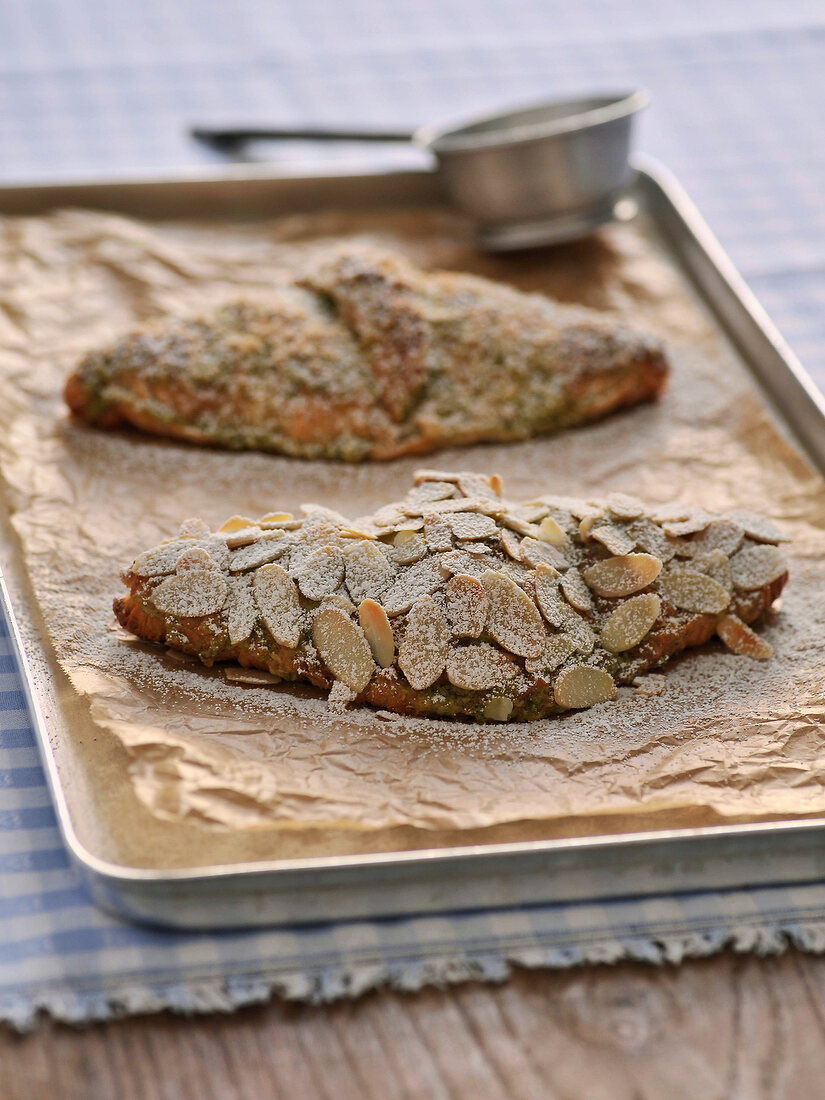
column 461, row 877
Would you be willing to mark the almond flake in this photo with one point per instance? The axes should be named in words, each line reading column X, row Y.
column 520, row 526
column 759, row 528
column 377, row 631
column 243, row 537
column 276, row 519
column 477, row 549
column 472, row 525
column 479, row 667
column 236, row 523
column 622, row 575
column 697, row 520
column 551, row 532
column 467, row 605
column 162, row 559
column 319, row 512
column 431, row 490
column 193, row 529
column 435, row 475
column 755, row 566
column 321, row 573
column 740, row 639
column 241, row 612
column 191, row 594
column 579, row 633
column 278, row 602
column 408, row 547
column 721, row 534
column 337, row 599
column 612, row 538
column 438, row 534
column 268, row 548
column 510, row 543
column 369, row 576
column 255, row 677
column 459, row 561
column 477, row 485
column 343, row 648
column 498, row 709
column 692, row 591
column 444, row 507
column 576, row 591
column 630, row 622
column 548, row 596
column 650, row 538
column 715, row 564
column 422, row 653
column 583, row 686
column 576, row 507
column 537, row 553
column 420, row 579
column 513, row 619
column 556, row 651
column 623, row 506
column 588, row 522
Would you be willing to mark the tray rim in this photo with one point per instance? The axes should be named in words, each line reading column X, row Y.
column 652, row 176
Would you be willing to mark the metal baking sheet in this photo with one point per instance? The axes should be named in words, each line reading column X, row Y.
column 438, row 879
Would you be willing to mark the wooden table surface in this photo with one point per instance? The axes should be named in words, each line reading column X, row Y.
column 729, row 1027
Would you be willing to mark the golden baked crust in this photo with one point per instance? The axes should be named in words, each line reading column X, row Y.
column 367, row 357
column 456, row 601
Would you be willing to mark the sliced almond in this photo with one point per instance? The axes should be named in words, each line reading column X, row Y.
column 650, row 538
column 477, row 485
column 551, row 532
column 191, row 594
column 269, row 547
column 377, row 631
column 479, row 667
column 279, row 604
column 431, row 490
column 576, row 591
column 582, row 686
column 459, row 561
column 421, row 579
column 548, row 595
column 244, row 537
column 255, row 677
column 467, row 605
column 556, row 651
column 276, row 519
column 498, row 709
column 193, row 529
column 537, row 553
column 422, row 653
column 623, row 506
column 408, row 547
column 369, row 576
column 759, row 528
column 697, row 519
column 722, row 534
column 755, row 566
column 236, row 523
column 579, row 633
column 321, row 573
column 612, row 538
column 715, row 564
column 195, row 560
column 622, row 575
column 241, row 612
column 630, row 622
column 438, row 534
column 343, row 648
column 513, row 619
column 740, row 639
column 692, row 591
column 522, row 526
column 444, row 507
column 336, row 599
column 588, row 522
column 472, row 525
column 510, row 543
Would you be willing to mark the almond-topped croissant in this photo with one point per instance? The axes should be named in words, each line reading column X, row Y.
column 456, row 601
column 364, row 356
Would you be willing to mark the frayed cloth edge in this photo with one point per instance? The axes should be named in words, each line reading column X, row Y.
column 22, row 1011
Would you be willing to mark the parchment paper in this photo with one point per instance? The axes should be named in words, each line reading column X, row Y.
column 725, row 737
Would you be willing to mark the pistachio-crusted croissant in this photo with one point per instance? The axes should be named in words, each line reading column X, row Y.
column 367, row 357
column 458, row 602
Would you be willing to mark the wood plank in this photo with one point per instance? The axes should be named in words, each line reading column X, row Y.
column 728, row 1027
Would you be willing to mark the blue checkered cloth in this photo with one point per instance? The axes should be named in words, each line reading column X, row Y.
column 89, row 88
